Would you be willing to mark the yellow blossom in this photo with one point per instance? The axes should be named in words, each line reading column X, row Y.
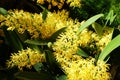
column 25, row 58
column 2, row 19
column 85, row 37
column 91, row 40
column 41, row 1
column 77, row 68
column 105, row 39
column 60, row 3
column 74, row 3
column 22, row 21
column 54, row 21
column 67, row 42
column 74, row 66
column 53, row 3
column 33, row 23
column 84, row 69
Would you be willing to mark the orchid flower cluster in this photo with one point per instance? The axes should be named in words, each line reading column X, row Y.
column 66, row 44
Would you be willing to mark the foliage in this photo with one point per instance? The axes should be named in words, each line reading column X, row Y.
column 59, row 40
column 90, row 8
column 116, row 9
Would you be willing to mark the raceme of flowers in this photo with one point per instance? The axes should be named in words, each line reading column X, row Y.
column 34, row 24
column 22, row 21
column 78, row 68
column 65, row 47
column 60, row 3
column 75, row 67
column 25, row 58
column 39, row 28
column 91, row 40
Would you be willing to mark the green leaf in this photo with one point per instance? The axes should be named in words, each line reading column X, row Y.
column 13, row 39
column 62, row 77
column 23, row 37
column 107, row 58
column 52, row 64
column 36, row 42
column 50, row 59
column 38, row 66
column 110, row 17
column 98, row 28
column 44, row 14
column 33, row 76
column 82, row 53
column 110, row 47
column 42, row 7
column 110, row 14
column 3, row 11
column 89, row 22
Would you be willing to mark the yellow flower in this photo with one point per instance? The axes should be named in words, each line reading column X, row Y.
column 53, row 22
column 67, row 42
column 74, row 3
column 2, row 19
column 41, row 1
column 105, row 39
column 60, row 3
column 85, row 37
column 78, row 68
column 91, row 40
column 25, row 58
column 33, row 23
column 74, row 66
column 53, row 3
column 22, row 21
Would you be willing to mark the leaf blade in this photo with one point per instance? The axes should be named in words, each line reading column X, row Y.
column 98, row 28
column 36, row 42
column 110, row 47
column 3, row 11
column 89, row 22
column 82, row 53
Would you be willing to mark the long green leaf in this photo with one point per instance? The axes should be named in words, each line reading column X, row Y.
column 110, row 14
column 50, row 59
column 89, row 22
column 51, row 62
column 110, row 17
column 36, row 42
column 44, row 14
column 110, row 47
column 42, row 7
column 13, row 39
